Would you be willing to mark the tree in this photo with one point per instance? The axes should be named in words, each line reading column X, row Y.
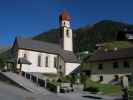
column 2, row 63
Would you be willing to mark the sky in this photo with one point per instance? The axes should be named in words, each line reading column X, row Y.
column 28, row 18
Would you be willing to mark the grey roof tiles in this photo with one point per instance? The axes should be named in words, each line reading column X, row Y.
column 102, row 55
column 46, row 47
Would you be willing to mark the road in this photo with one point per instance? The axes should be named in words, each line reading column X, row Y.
column 10, row 92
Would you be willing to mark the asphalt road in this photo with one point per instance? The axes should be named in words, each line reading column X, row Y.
column 10, row 92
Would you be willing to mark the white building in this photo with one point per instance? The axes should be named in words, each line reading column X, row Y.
column 37, row 56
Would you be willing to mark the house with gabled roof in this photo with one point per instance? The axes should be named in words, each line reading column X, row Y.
column 110, row 65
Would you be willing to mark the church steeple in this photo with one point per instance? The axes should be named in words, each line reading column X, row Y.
column 66, row 39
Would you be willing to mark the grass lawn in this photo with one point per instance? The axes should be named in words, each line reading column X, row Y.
column 131, row 88
column 106, row 89
column 118, row 44
column 130, row 92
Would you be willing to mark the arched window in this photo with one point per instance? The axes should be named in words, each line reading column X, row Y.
column 46, row 61
column 39, row 60
column 55, row 62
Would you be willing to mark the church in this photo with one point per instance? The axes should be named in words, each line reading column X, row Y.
column 43, row 57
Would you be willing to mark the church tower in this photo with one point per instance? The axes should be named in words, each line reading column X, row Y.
column 66, row 38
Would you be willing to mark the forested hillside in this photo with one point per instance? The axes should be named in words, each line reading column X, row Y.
column 85, row 38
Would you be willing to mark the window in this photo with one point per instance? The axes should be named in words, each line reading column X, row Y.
column 46, row 62
column 55, row 62
column 116, row 77
column 28, row 76
column 67, row 33
column 64, row 23
column 25, row 56
column 115, row 65
column 100, row 78
column 129, row 78
column 100, row 66
column 126, row 64
column 60, row 68
column 39, row 60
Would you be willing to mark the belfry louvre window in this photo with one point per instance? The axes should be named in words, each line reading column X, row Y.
column 67, row 33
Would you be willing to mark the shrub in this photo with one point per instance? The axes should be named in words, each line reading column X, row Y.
column 59, row 80
column 2, row 63
column 52, row 87
column 92, row 89
column 106, row 89
column 68, row 79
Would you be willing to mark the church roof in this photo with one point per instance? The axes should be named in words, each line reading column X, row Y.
column 35, row 45
column 106, row 55
column 64, row 16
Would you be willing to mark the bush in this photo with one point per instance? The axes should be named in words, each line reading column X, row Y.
column 130, row 93
column 92, row 89
column 52, row 87
column 59, row 80
column 2, row 63
column 106, row 89
column 69, row 79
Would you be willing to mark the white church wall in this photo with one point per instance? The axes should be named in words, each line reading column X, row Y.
column 69, row 67
column 32, row 56
column 68, row 41
column 61, row 65
column 27, row 68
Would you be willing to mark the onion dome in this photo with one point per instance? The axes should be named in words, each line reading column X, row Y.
column 64, row 16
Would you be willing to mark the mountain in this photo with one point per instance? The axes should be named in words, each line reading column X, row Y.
column 3, row 49
column 4, row 54
column 85, row 38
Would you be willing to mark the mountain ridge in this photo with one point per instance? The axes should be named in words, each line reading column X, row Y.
column 86, row 37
